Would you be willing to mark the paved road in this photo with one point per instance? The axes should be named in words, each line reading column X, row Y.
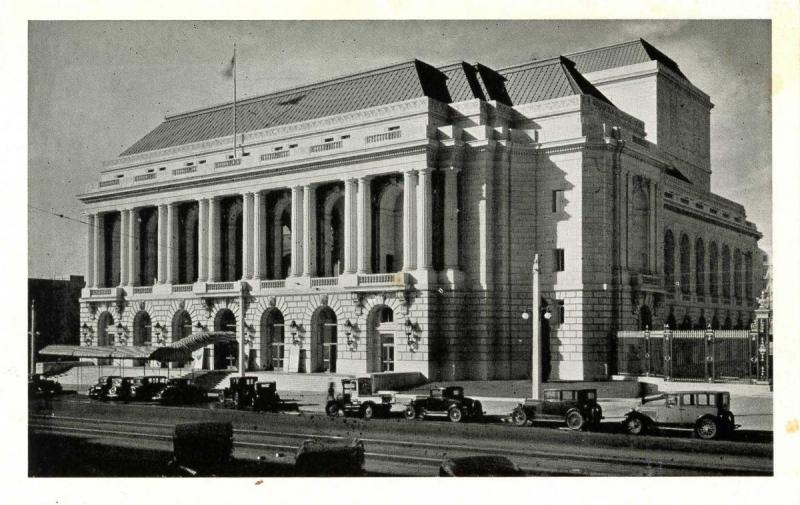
column 399, row 447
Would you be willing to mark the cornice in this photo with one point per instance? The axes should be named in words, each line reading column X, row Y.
column 549, row 107
column 717, row 222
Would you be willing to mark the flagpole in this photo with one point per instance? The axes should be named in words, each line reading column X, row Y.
column 234, row 100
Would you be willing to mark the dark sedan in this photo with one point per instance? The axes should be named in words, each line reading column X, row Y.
column 181, row 391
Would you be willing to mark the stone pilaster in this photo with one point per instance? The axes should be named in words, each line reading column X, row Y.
column 309, row 231
column 213, row 240
column 124, row 244
column 424, row 220
column 247, row 236
column 350, row 226
column 259, row 235
column 161, row 246
column 409, row 221
column 134, row 250
column 202, row 240
column 297, row 232
column 90, row 234
column 364, row 216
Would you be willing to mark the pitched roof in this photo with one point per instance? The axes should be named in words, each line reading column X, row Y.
column 397, row 83
column 546, row 80
column 621, row 55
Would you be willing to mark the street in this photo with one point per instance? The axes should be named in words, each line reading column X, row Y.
column 399, row 447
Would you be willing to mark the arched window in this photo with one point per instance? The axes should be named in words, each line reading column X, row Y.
column 188, row 254
column 726, row 273
column 737, row 274
column 380, row 340
column 181, row 325
column 331, row 230
column 272, row 343
column 713, row 267
column 142, row 333
column 280, row 254
column 669, row 261
column 148, row 246
column 699, row 267
column 324, row 340
column 671, row 321
column 715, row 322
column 639, row 225
column 685, row 264
column 389, row 230
column 231, row 238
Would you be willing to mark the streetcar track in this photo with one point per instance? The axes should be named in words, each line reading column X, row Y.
column 596, row 459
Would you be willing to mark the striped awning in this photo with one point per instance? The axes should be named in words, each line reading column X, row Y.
column 117, row 352
column 182, row 349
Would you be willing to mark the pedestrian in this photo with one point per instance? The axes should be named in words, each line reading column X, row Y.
column 331, row 391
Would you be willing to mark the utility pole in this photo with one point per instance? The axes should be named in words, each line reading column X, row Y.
column 33, row 337
column 536, row 344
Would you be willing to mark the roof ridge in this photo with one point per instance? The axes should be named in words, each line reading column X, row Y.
column 518, row 67
column 618, row 44
column 297, row 89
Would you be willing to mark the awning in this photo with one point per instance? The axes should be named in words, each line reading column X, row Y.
column 182, row 349
column 117, row 352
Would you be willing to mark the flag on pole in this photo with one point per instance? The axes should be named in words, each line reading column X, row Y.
column 228, row 72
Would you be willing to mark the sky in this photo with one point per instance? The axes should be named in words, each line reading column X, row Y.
column 96, row 87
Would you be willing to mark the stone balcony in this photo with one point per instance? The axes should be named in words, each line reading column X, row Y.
column 648, row 282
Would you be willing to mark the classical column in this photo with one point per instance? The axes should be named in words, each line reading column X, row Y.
column 213, row 240
column 364, row 217
column 90, row 234
column 259, row 235
column 451, row 218
column 172, row 243
column 350, row 226
column 161, row 246
column 202, row 240
column 297, row 232
column 308, row 246
column 247, row 236
column 133, row 247
column 424, row 220
column 124, row 244
column 409, row 221
column 277, row 243
column 99, row 251
column 654, row 229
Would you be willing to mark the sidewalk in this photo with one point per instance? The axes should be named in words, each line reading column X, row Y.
column 751, row 406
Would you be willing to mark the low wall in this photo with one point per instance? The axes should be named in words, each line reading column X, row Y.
column 396, row 381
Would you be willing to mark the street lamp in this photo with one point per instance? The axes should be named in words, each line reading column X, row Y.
column 348, row 331
column 159, row 333
column 86, row 334
column 413, row 338
column 249, row 333
column 293, row 330
column 199, row 326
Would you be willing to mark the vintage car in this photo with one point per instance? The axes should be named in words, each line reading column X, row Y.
column 240, row 392
column 181, row 391
column 706, row 412
column 144, row 388
column 99, row 391
column 449, row 401
column 267, row 399
column 480, row 466
column 358, row 398
column 38, row 386
column 577, row 408
column 120, row 388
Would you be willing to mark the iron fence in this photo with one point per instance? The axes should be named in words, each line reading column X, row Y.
column 691, row 355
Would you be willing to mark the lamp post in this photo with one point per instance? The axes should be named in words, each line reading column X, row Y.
column 348, row 331
column 536, row 351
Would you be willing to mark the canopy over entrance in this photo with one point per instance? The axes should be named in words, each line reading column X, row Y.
column 107, row 351
column 182, row 350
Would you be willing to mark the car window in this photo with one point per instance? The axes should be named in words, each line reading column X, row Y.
column 724, row 400
column 687, row 399
column 436, row 393
column 671, row 400
column 551, row 395
column 590, row 395
column 568, row 395
column 712, row 400
column 702, row 400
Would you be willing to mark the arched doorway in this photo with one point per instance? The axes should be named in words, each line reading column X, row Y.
column 323, row 341
column 272, row 345
column 104, row 323
column 645, row 318
column 142, row 333
column 148, row 246
column 389, row 240
column 331, row 229
column 380, row 340
column 226, row 354
column 181, row 328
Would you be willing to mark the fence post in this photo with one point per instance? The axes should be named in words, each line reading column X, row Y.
column 648, row 366
column 709, row 348
column 667, row 347
column 752, row 351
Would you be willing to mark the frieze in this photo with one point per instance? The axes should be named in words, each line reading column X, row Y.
column 567, row 104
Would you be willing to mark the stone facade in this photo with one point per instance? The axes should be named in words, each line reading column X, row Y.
column 401, row 236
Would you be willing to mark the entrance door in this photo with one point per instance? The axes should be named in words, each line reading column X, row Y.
column 329, row 348
column 226, row 354
column 323, row 341
column 387, row 352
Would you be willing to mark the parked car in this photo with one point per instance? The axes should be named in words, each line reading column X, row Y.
column 181, row 391
column 240, row 393
column 144, row 388
column 706, row 412
column 480, row 466
column 267, row 399
column 121, row 388
column 38, row 386
column 358, row 398
column 577, row 408
column 99, row 391
column 449, row 401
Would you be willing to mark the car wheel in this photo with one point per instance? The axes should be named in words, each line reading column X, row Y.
column 575, row 420
column 707, row 428
column 410, row 413
column 454, row 414
column 635, row 425
column 519, row 417
column 332, row 409
column 367, row 412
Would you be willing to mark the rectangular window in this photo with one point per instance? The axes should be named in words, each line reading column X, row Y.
column 558, row 200
column 387, row 353
column 558, row 259
column 560, row 311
